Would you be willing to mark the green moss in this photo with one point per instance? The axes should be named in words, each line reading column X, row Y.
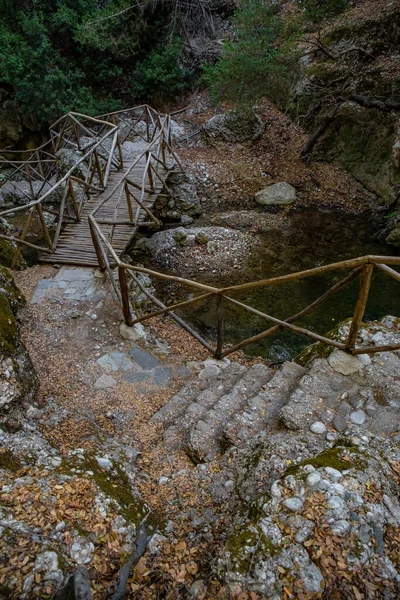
column 331, row 457
column 7, row 283
column 8, row 462
column 248, row 537
column 5, row 592
column 8, row 328
column 320, row 350
column 115, row 485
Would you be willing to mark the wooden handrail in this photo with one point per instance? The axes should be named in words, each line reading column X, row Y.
column 364, row 267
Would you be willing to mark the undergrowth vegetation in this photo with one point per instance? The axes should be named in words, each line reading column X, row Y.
column 85, row 55
column 262, row 56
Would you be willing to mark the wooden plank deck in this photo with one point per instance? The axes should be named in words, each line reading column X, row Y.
column 75, row 246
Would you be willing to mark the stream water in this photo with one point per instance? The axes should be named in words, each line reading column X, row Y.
column 311, row 239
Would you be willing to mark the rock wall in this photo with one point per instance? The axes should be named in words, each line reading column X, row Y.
column 16, row 130
column 356, row 56
column 18, row 379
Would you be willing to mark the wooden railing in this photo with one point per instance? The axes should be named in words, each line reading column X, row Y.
column 362, row 268
column 158, row 159
column 97, row 146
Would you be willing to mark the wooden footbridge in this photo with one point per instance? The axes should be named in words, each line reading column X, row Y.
column 115, row 184
column 89, row 214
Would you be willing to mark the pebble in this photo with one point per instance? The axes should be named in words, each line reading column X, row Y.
column 333, row 473
column 338, row 489
column 163, row 480
column 318, row 428
column 229, row 485
column 313, row 479
column 340, row 527
column 93, row 316
column 275, row 490
column 358, row 417
column 339, row 422
column 331, row 436
column 104, row 463
column 293, row 503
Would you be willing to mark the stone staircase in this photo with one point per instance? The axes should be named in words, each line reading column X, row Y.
column 209, row 415
column 228, row 404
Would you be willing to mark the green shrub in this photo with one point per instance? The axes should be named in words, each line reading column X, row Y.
column 318, row 10
column 159, row 76
column 258, row 61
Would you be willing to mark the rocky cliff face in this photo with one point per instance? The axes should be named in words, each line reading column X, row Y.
column 356, row 55
column 18, row 379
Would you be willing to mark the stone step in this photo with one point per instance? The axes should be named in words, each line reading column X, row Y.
column 203, row 439
column 218, row 386
column 262, row 411
column 205, row 391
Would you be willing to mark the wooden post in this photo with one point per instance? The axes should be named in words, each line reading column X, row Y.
column 40, row 166
column 150, row 176
column 97, row 248
column 128, row 200
column 74, row 200
column 365, row 283
column 220, row 326
column 28, row 174
column 44, row 227
column 126, row 307
column 96, row 158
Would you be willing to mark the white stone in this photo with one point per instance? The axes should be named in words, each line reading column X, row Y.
column 318, row 427
column 82, row 551
column 340, row 527
column 275, row 490
column 293, row 503
column 344, row 363
column 133, row 334
column 221, row 364
column 313, row 479
column 104, row 463
column 209, row 371
column 162, row 480
column 364, row 359
column 281, row 193
column 333, row 472
column 358, row 417
column 338, row 489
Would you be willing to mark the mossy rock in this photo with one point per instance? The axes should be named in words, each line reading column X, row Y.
column 394, row 237
column 10, row 290
column 8, row 462
column 7, row 253
column 115, row 485
column 319, row 349
column 8, row 328
column 361, row 141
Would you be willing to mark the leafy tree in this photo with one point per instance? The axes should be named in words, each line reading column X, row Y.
column 60, row 55
column 159, row 75
column 258, row 60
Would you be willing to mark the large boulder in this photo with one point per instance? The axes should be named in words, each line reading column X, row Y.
column 278, row 194
column 234, row 126
column 19, row 193
column 184, row 200
column 66, row 159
